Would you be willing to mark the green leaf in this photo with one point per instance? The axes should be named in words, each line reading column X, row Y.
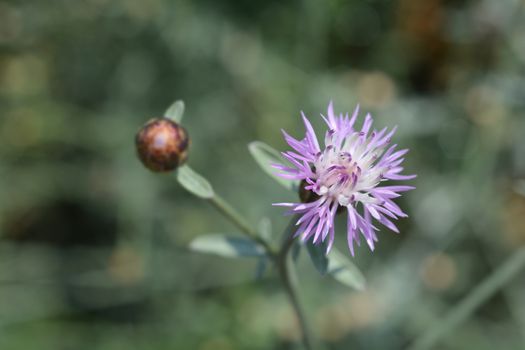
column 262, row 266
column 477, row 296
column 175, row 111
column 265, row 156
column 519, row 187
column 194, row 182
column 227, row 246
column 344, row 271
column 265, row 228
column 317, row 253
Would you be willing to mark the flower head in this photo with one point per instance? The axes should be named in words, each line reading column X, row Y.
column 348, row 172
column 162, row 145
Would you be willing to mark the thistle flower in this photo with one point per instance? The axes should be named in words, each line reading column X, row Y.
column 348, row 172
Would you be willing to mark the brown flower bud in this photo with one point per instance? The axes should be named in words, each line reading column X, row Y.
column 308, row 196
column 162, row 145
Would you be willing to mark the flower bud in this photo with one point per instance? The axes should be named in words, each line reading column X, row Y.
column 162, row 145
column 306, row 196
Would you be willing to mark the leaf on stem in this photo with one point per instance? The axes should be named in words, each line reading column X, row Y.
column 265, row 156
column 175, row 111
column 265, row 228
column 344, row 271
column 317, row 253
column 262, row 266
column 227, row 246
column 194, row 183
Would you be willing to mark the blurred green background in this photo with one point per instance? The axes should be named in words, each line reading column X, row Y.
column 92, row 245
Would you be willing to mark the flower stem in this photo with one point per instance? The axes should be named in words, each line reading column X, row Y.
column 238, row 220
column 281, row 258
column 290, row 282
column 464, row 309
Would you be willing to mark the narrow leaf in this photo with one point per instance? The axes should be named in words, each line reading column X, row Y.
column 459, row 313
column 519, row 187
column 344, row 271
column 227, row 246
column 175, row 111
column 317, row 253
column 265, row 156
column 265, row 228
column 262, row 266
column 194, row 182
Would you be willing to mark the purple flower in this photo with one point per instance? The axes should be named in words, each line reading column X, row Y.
column 349, row 171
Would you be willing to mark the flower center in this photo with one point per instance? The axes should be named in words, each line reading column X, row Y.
column 338, row 175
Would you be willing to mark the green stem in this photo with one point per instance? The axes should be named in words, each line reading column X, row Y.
column 238, row 220
column 281, row 258
column 510, row 268
column 291, row 285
